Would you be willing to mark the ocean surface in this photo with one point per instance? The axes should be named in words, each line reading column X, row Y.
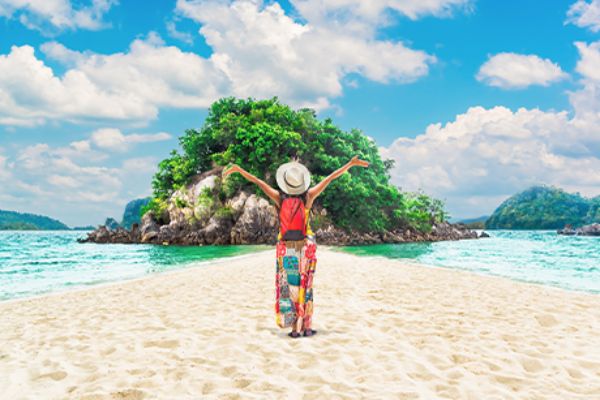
column 568, row 262
column 33, row 263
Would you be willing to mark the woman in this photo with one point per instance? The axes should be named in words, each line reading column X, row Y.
column 296, row 246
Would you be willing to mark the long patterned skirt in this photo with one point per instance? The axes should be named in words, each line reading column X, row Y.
column 295, row 267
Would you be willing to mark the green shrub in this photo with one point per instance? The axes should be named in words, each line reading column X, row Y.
column 225, row 212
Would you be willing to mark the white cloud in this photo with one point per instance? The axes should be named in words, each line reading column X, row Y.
column 513, row 71
column 585, row 15
column 185, row 37
column 79, row 191
column 359, row 15
column 496, row 152
column 140, row 165
column 63, row 181
column 485, row 155
column 114, row 139
column 257, row 51
column 4, row 172
column 120, row 86
column 56, row 14
column 589, row 62
column 264, row 52
column 586, row 101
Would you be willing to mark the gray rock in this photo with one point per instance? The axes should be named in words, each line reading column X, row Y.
column 150, row 229
column 256, row 224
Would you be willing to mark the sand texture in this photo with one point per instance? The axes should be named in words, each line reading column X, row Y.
column 386, row 329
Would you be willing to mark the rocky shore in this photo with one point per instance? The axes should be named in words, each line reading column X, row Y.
column 587, row 230
column 196, row 217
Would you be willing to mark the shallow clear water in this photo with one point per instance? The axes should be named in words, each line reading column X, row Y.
column 569, row 262
column 33, row 263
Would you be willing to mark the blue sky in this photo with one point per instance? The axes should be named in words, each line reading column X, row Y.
column 474, row 99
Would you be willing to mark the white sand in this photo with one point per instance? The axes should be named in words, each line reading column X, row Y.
column 385, row 330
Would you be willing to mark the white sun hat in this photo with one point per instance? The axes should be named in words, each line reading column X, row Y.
column 293, row 178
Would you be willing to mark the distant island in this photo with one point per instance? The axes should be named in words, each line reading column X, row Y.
column 474, row 223
column 545, row 207
column 16, row 221
column 133, row 212
column 12, row 220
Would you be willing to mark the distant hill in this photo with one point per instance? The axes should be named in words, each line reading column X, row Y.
column 84, row 228
column 545, row 207
column 11, row 220
column 132, row 214
column 475, row 223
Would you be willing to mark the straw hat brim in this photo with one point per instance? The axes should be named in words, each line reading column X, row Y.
column 287, row 188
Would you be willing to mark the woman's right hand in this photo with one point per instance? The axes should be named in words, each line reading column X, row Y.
column 231, row 170
column 359, row 163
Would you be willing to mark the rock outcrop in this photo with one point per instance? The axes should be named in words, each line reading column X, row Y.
column 587, row 230
column 194, row 217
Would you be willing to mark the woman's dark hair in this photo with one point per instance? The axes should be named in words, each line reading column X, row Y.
column 303, row 195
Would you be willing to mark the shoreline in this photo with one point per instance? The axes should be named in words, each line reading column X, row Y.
column 410, row 262
column 336, row 249
column 93, row 286
column 386, row 329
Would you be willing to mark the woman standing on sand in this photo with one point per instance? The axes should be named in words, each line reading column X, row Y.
column 296, row 246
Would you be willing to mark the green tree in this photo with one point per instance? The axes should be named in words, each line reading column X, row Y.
column 260, row 135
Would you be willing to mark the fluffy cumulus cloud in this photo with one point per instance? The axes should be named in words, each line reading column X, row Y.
column 123, row 86
column 82, row 182
column 264, row 52
column 57, row 14
column 516, row 71
column 486, row 155
column 585, row 14
column 359, row 15
column 257, row 50
column 112, row 139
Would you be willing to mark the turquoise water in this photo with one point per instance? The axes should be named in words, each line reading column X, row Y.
column 33, row 263
column 569, row 262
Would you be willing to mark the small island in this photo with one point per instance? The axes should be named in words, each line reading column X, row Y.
column 193, row 205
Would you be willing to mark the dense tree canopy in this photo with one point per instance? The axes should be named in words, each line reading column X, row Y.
column 542, row 207
column 261, row 135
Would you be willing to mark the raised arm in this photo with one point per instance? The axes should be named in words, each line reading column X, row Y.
column 268, row 190
column 316, row 190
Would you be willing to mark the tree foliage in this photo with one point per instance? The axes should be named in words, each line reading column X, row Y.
column 543, row 207
column 260, row 135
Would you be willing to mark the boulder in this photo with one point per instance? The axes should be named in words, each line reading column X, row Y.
column 257, row 223
column 590, row 230
column 150, row 229
column 587, row 230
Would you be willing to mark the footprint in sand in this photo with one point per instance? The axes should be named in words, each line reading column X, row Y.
column 228, row 371
column 56, row 375
column 208, row 387
column 242, row 383
column 532, row 365
column 165, row 344
column 130, row 394
column 546, row 320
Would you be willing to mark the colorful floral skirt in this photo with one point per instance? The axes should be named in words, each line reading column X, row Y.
column 295, row 267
